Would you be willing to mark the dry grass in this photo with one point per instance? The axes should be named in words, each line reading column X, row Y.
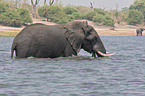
column 9, row 31
column 123, row 32
column 8, row 34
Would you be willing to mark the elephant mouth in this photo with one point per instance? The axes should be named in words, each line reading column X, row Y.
column 99, row 53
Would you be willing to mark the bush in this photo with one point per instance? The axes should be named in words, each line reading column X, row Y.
column 69, row 10
column 42, row 11
column 77, row 15
column 138, row 5
column 108, row 21
column 134, row 17
column 60, row 18
column 72, row 12
column 89, row 15
column 83, row 9
column 98, row 18
column 3, row 8
column 143, row 13
column 10, row 18
column 103, row 20
column 63, row 15
column 101, row 11
column 54, row 14
column 25, row 16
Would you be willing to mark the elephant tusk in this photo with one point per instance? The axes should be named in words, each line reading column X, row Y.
column 105, row 55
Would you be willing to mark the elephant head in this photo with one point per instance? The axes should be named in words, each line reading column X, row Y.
column 81, row 35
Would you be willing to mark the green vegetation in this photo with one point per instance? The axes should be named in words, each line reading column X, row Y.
column 60, row 15
column 72, row 13
column 135, row 17
column 69, row 10
column 53, row 14
column 89, row 15
column 139, row 8
column 10, row 18
column 14, row 13
column 103, row 18
column 13, row 17
column 25, row 15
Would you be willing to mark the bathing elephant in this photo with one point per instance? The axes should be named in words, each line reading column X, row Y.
column 139, row 31
column 45, row 41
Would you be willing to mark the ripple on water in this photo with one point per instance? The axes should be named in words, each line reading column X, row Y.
column 141, row 60
column 120, row 75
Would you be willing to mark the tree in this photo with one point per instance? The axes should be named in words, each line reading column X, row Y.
column 50, row 2
column 34, row 7
column 139, row 5
column 135, row 17
column 17, row 3
column 117, row 13
column 92, row 6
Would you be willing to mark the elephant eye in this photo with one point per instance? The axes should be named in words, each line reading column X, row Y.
column 94, row 39
column 89, row 32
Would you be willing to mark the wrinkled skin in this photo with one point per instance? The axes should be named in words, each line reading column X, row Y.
column 43, row 41
column 139, row 31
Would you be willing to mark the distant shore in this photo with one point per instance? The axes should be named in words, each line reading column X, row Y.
column 120, row 30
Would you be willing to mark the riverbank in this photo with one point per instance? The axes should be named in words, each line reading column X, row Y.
column 118, row 30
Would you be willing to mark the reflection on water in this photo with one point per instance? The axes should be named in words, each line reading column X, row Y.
column 120, row 75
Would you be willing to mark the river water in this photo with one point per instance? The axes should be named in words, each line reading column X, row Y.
column 120, row 75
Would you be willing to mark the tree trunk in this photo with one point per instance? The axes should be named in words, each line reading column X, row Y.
column 44, row 2
column 34, row 7
column 34, row 11
column 17, row 3
column 51, row 2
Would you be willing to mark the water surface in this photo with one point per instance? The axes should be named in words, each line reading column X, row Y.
column 120, row 75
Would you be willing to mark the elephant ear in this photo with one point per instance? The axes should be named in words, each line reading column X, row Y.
column 75, row 34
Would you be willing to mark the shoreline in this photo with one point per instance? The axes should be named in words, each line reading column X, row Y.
column 102, row 32
column 119, row 30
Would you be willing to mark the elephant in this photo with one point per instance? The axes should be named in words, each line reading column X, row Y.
column 62, row 40
column 139, row 31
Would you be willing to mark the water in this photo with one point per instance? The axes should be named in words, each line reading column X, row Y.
column 120, row 75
